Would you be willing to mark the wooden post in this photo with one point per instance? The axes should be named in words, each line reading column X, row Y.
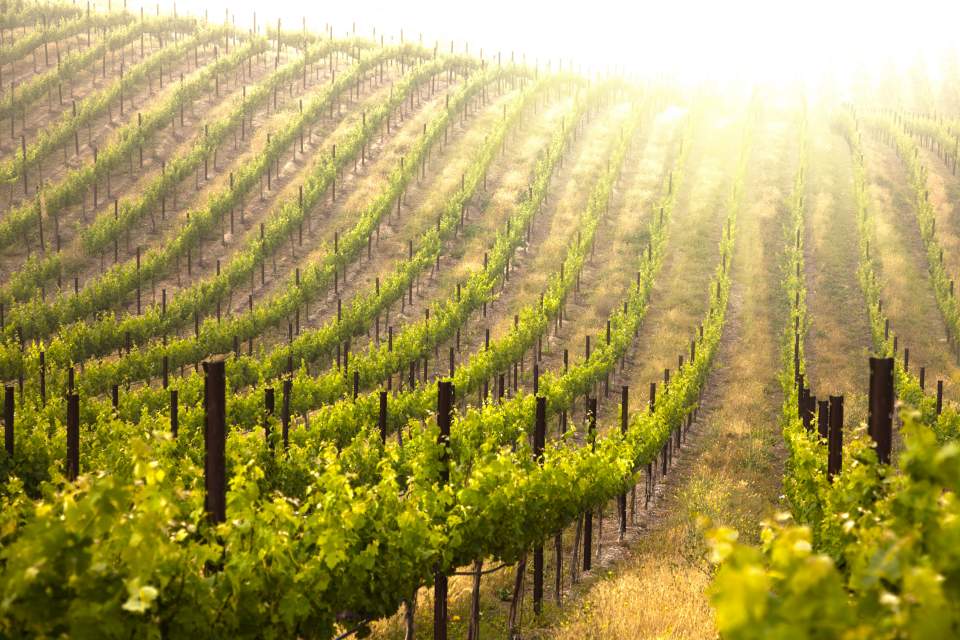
column 115, row 397
column 880, row 412
column 823, row 418
column 588, row 516
column 285, row 412
column 539, row 442
column 215, row 440
column 444, row 418
column 73, row 437
column 174, row 412
column 269, row 409
column 8, row 410
column 800, row 395
column 939, row 397
column 624, row 420
column 803, row 400
column 835, row 437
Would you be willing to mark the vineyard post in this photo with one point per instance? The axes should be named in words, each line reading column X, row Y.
column 880, row 416
column 8, row 408
column 115, row 396
column 823, row 418
column 269, row 407
column 624, row 418
column 800, row 395
column 285, row 412
column 174, row 412
column 444, row 406
column 810, row 411
column 73, row 436
column 588, row 516
column 215, row 440
column 835, row 437
column 539, row 441
column 804, row 403
column 939, row 397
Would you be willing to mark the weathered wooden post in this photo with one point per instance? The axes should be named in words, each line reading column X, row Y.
column 444, row 418
column 269, row 409
column 835, row 437
column 588, row 516
column 174, row 412
column 624, row 419
column 73, row 437
column 285, row 412
column 382, row 418
column 539, row 442
column 8, row 411
column 823, row 418
column 880, row 413
column 215, row 440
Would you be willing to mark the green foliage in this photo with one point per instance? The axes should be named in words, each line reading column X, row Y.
column 868, row 556
column 890, row 569
column 21, row 221
column 63, row 29
column 314, row 532
column 76, row 62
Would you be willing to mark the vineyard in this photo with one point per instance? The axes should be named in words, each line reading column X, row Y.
column 308, row 334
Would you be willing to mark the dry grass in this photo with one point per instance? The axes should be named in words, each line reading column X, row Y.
column 838, row 336
column 583, row 164
column 908, row 297
column 944, row 189
column 680, row 295
column 553, row 228
column 729, row 472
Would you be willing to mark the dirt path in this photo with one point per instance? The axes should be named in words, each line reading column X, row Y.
column 679, row 297
column 907, row 296
column 355, row 190
column 838, row 337
column 730, row 469
column 621, row 238
column 420, row 208
column 566, row 199
column 944, row 189
column 508, row 177
column 128, row 181
column 99, row 132
column 647, row 157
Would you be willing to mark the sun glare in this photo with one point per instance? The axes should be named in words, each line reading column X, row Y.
column 689, row 41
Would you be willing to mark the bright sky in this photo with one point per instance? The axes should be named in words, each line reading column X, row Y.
column 690, row 40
